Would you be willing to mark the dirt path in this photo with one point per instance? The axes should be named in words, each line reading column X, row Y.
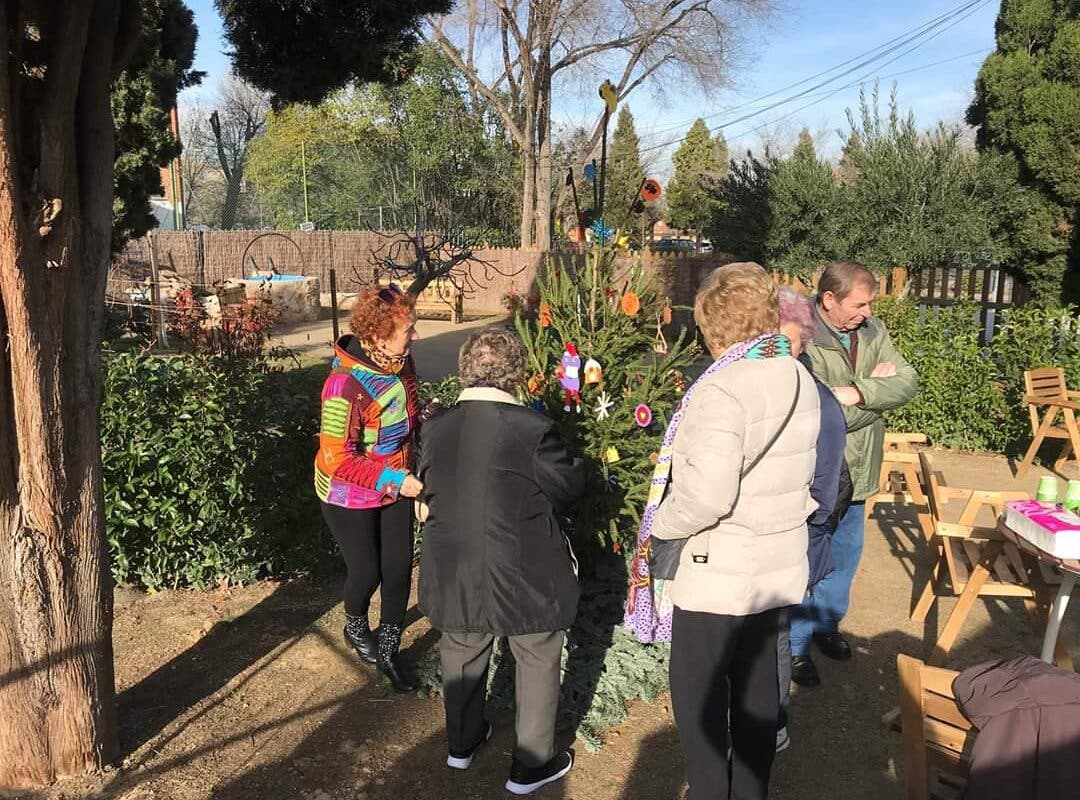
column 249, row 694
column 436, row 352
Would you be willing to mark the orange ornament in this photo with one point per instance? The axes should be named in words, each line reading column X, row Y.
column 536, row 383
column 650, row 190
column 545, row 315
column 665, row 315
column 630, row 304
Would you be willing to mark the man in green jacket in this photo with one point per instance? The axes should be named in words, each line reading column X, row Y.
column 851, row 352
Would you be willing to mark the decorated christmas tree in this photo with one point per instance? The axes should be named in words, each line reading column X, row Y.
column 604, row 370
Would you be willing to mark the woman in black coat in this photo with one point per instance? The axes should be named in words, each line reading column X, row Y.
column 494, row 561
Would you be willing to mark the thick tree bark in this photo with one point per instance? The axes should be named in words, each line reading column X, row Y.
column 56, row 155
column 543, row 148
column 232, row 200
column 528, row 185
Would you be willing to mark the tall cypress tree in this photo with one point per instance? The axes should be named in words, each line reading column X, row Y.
column 1027, row 105
column 700, row 165
column 806, row 203
column 624, row 175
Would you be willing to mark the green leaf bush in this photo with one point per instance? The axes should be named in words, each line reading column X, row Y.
column 207, row 470
column 970, row 395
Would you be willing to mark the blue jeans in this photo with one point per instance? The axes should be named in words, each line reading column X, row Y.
column 827, row 601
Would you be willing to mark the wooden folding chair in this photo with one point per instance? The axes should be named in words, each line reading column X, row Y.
column 937, row 737
column 899, row 481
column 1046, row 387
column 976, row 559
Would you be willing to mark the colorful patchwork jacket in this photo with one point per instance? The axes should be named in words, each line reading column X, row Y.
column 366, row 437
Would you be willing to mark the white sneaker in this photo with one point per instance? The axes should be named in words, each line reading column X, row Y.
column 464, row 760
column 783, row 740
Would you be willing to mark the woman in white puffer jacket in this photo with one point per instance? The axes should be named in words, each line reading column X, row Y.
column 742, row 463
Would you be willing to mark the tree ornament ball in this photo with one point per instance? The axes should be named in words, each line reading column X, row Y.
column 643, row 415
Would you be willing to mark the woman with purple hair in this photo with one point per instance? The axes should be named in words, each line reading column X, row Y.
column 831, row 487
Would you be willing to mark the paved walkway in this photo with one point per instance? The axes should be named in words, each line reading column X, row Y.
column 436, row 352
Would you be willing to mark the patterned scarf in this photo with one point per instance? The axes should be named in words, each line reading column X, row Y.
column 383, row 360
column 648, row 606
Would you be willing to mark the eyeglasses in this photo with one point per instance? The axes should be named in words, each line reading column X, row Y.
column 388, row 293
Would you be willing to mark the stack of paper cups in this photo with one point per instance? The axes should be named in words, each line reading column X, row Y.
column 1072, row 495
column 1048, row 489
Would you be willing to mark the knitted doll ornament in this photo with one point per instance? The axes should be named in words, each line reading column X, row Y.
column 569, row 374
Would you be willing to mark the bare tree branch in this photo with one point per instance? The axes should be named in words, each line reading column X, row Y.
column 451, row 52
column 533, row 44
column 425, row 258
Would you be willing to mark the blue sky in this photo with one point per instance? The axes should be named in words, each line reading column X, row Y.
column 808, row 37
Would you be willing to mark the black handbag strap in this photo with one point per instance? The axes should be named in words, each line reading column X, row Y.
column 783, row 426
column 703, row 558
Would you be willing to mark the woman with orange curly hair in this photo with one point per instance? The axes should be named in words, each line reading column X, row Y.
column 363, row 469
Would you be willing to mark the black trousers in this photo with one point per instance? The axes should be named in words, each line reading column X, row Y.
column 377, row 546
column 722, row 664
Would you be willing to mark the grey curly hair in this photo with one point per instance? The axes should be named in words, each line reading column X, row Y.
column 493, row 357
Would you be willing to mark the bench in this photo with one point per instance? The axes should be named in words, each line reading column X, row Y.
column 438, row 297
column 937, row 737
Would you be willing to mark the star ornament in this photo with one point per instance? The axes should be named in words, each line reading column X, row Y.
column 601, row 233
column 603, row 406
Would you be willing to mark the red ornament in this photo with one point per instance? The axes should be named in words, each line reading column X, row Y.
column 643, row 415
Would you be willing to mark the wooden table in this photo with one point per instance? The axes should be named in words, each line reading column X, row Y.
column 1070, row 572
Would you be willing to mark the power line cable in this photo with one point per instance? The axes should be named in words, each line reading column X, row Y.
column 832, row 92
column 970, row 8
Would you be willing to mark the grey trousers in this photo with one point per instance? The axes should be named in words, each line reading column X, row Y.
column 465, row 658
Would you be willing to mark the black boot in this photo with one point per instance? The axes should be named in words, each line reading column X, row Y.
column 359, row 636
column 804, row 671
column 390, row 659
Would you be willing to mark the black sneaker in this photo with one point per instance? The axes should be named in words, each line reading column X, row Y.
column 525, row 780
column 464, row 760
column 804, row 672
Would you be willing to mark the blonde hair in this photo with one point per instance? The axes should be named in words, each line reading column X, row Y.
column 736, row 302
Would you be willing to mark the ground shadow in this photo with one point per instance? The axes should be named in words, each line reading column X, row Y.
column 600, row 612
column 227, row 650
column 658, row 770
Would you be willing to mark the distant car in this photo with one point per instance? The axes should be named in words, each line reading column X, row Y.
column 705, row 246
column 672, row 246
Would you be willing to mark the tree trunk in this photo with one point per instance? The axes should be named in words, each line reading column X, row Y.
column 57, row 713
column 232, row 200
column 529, row 177
column 544, row 157
column 528, row 196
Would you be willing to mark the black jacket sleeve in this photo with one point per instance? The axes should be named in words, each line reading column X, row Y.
column 560, row 477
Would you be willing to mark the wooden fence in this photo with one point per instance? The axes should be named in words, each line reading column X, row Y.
column 206, row 257
column 992, row 288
